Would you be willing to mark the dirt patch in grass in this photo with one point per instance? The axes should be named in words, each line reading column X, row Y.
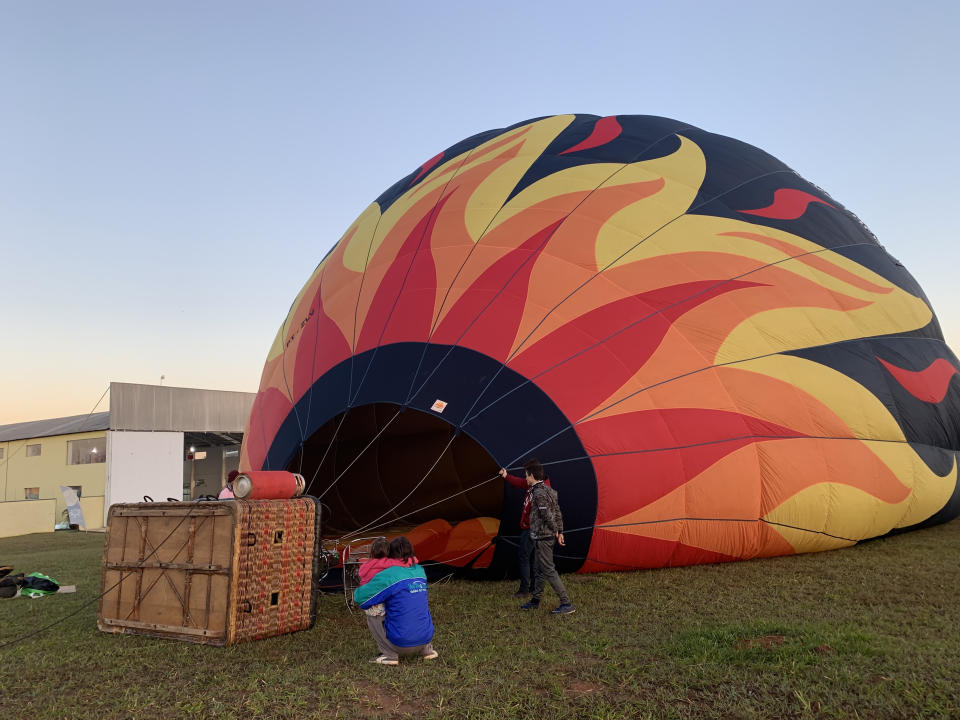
column 584, row 687
column 378, row 701
column 767, row 641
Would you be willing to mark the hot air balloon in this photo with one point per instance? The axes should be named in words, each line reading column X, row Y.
column 713, row 359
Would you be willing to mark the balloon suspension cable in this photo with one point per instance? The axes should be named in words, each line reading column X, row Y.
column 655, row 314
column 360, row 454
column 286, row 384
column 353, row 344
column 425, row 507
column 326, row 451
column 447, row 561
column 403, row 284
column 313, row 362
column 513, row 539
column 370, row 524
column 446, row 295
column 603, row 182
column 606, row 267
column 356, row 309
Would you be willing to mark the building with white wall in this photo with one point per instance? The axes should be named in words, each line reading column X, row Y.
column 155, row 441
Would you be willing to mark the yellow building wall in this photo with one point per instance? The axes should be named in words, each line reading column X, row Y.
column 26, row 516
column 48, row 472
column 92, row 508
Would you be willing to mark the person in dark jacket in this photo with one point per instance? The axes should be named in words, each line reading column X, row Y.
column 526, row 557
column 546, row 527
column 407, row 628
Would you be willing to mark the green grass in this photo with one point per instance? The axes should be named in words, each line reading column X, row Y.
column 872, row 631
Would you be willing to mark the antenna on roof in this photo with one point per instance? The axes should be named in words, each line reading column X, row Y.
column 161, row 379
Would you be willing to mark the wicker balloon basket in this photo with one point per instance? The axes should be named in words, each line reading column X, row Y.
column 216, row 573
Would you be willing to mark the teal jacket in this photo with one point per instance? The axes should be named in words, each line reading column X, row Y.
column 403, row 591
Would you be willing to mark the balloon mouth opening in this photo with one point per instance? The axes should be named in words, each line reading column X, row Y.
column 409, row 438
column 382, row 469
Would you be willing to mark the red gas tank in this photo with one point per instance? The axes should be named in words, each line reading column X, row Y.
column 268, row 485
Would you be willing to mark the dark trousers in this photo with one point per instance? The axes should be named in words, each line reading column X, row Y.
column 528, row 561
column 547, row 572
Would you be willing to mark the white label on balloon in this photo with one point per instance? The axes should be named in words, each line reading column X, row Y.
column 439, row 406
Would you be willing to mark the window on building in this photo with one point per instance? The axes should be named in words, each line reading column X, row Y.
column 31, row 493
column 83, row 452
column 33, row 450
column 78, row 489
column 226, row 453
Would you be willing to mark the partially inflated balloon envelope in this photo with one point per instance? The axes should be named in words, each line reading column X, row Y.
column 713, row 359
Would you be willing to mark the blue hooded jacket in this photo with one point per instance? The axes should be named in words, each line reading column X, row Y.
column 403, row 590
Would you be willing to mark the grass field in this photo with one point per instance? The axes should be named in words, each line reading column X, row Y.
column 872, row 631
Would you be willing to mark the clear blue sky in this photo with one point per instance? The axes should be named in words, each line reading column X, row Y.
column 172, row 172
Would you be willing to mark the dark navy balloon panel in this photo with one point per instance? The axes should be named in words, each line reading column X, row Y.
column 713, row 358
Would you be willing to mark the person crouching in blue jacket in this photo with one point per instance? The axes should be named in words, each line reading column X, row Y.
column 406, row 629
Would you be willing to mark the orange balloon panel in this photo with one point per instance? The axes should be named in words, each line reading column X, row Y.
column 713, row 359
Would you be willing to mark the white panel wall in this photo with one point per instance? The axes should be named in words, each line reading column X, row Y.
column 143, row 463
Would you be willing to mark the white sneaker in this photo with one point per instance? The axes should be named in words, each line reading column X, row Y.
column 384, row 660
column 432, row 655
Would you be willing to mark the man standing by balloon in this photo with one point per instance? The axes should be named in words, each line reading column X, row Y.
column 546, row 527
column 525, row 554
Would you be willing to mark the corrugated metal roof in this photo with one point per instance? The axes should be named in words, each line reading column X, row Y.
column 55, row 426
column 152, row 408
column 156, row 407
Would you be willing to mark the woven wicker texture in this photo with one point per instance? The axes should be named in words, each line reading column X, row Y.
column 274, row 567
column 215, row 573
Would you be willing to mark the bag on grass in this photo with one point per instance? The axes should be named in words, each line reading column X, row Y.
column 10, row 585
column 37, row 585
